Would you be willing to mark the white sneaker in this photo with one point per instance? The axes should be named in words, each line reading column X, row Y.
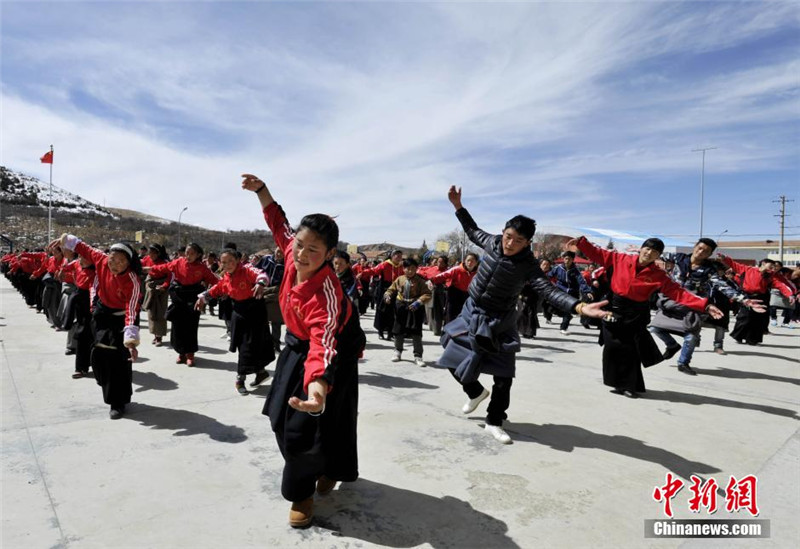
column 773, row 323
column 471, row 404
column 419, row 362
column 564, row 333
column 396, row 356
column 223, row 336
column 498, row 433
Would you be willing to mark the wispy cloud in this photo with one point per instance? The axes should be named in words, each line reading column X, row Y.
column 370, row 111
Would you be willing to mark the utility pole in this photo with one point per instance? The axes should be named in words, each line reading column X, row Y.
column 702, row 183
column 782, row 215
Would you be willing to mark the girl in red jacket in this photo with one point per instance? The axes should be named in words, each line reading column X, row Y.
column 81, row 272
column 250, row 335
column 457, row 282
column 313, row 404
column 155, row 298
column 114, row 318
column 188, row 274
column 386, row 273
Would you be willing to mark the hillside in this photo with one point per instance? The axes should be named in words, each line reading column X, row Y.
column 23, row 218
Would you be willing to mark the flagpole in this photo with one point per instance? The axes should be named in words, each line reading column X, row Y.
column 50, row 202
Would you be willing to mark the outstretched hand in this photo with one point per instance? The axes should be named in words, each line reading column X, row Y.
column 258, row 291
column 715, row 312
column 595, row 310
column 756, row 304
column 454, row 196
column 57, row 243
column 317, row 390
column 251, row 182
column 571, row 245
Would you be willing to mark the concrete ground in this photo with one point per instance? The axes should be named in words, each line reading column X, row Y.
column 193, row 464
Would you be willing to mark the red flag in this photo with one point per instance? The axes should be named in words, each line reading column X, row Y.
column 47, row 158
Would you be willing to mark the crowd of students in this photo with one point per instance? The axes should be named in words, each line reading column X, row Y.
column 480, row 306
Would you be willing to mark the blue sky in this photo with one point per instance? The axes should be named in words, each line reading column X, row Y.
column 577, row 114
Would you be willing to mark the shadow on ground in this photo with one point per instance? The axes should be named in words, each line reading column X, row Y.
column 696, row 400
column 565, row 438
column 211, row 350
column 385, row 515
column 764, row 355
column 150, row 380
column 738, row 374
column 184, row 423
column 203, row 362
column 392, row 382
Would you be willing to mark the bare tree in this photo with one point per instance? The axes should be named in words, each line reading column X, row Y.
column 460, row 245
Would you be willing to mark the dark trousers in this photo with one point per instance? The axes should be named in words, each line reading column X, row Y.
column 498, row 402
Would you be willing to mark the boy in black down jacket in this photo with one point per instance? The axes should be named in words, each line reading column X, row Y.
column 484, row 338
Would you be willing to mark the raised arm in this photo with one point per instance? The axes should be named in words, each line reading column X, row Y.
column 441, row 278
column 594, row 253
column 72, row 242
column 253, row 183
column 737, row 267
column 273, row 214
column 474, row 233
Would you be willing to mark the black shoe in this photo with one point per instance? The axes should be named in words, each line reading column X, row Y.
column 240, row 387
column 116, row 413
column 260, row 377
column 671, row 352
column 630, row 394
column 686, row 369
column 69, row 352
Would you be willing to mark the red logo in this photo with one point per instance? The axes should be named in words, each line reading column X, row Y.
column 739, row 495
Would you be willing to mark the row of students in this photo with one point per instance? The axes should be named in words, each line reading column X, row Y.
column 313, row 404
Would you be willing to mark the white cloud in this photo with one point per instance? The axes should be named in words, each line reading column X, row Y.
column 372, row 111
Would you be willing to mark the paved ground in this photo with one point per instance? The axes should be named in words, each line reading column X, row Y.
column 193, row 464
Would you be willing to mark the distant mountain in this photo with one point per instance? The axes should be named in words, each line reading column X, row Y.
column 133, row 214
column 23, row 190
column 24, row 220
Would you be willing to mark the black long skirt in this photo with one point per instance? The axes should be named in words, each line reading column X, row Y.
column 435, row 314
column 51, row 297
column 312, row 446
column 112, row 369
column 81, row 334
column 184, row 318
column 28, row 288
column 384, row 312
column 627, row 345
column 455, row 302
column 750, row 325
column 407, row 323
column 250, row 336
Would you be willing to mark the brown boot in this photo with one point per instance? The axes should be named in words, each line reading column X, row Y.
column 301, row 513
column 325, row 485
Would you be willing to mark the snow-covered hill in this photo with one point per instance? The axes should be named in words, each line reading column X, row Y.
column 20, row 189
